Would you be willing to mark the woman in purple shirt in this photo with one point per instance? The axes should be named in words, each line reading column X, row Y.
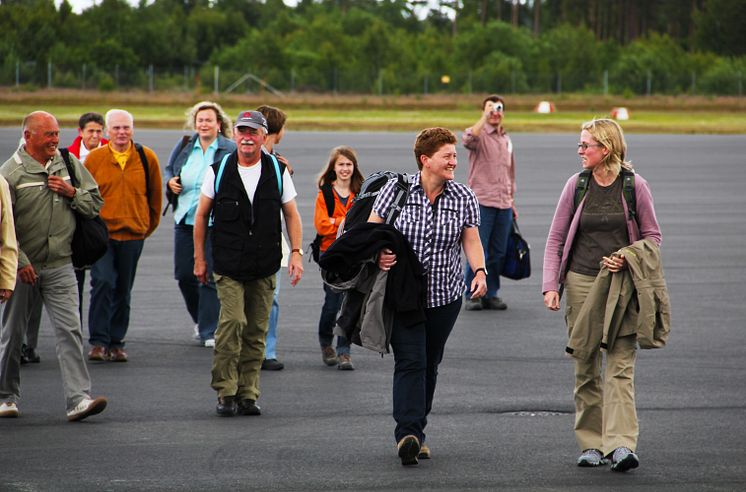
column 580, row 241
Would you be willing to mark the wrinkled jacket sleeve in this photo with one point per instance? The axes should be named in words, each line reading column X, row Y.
column 8, row 243
column 558, row 231
column 647, row 220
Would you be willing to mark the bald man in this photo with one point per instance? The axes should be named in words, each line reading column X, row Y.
column 44, row 207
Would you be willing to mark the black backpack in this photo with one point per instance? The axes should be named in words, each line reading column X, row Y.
column 363, row 203
column 628, row 190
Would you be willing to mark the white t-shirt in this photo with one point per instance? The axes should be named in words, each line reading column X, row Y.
column 250, row 178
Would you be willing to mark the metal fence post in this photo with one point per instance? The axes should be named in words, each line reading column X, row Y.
column 49, row 74
column 18, row 73
column 649, row 83
column 151, row 84
column 216, row 80
column 606, row 82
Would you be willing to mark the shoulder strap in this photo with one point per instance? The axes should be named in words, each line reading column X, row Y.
column 219, row 175
column 328, row 194
column 581, row 187
column 184, row 140
column 66, row 157
column 145, row 165
column 277, row 173
column 628, row 190
column 400, row 198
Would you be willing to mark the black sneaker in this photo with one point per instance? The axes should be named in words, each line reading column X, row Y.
column 494, row 303
column 409, row 449
column 248, row 407
column 226, row 406
column 272, row 365
column 473, row 304
column 29, row 355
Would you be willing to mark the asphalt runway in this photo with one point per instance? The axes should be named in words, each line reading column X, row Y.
column 503, row 411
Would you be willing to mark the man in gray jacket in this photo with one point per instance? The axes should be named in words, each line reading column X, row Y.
column 44, row 208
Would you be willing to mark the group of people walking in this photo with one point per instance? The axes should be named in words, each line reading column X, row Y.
column 231, row 192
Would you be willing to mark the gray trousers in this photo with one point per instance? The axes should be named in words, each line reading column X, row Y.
column 58, row 290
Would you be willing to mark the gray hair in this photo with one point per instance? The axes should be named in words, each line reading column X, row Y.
column 113, row 112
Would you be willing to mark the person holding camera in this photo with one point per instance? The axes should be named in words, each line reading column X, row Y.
column 492, row 178
column 184, row 173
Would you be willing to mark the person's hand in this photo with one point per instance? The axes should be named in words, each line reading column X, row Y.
column 5, row 294
column 386, row 259
column 614, row 263
column 27, row 275
column 174, row 184
column 478, row 286
column 60, row 186
column 200, row 271
column 295, row 268
column 284, row 160
column 552, row 300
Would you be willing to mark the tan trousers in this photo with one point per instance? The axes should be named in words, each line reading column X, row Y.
column 605, row 413
column 240, row 335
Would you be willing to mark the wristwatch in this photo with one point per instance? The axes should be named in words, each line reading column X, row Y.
column 297, row 250
column 480, row 269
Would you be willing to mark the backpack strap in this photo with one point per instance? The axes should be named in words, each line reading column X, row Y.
column 277, row 173
column 400, row 198
column 65, row 153
column 628, row 190
column 581, row 188
column 219, row 176
column 328, row 193
column 145, row 165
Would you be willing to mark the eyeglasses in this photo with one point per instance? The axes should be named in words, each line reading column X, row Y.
column 584, row 146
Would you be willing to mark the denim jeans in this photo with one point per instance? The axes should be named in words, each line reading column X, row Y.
column 112, row 278
column 270, row 351
column 494, row 229
column 418, row 350
column 332, row 303
column 201, row 300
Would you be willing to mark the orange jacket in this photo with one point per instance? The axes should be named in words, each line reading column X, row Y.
column 322, row 221
column 130, row 212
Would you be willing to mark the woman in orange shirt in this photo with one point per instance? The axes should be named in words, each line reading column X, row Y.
column 342, row 176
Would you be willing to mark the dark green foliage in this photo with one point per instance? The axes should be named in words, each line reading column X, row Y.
column 380, row 46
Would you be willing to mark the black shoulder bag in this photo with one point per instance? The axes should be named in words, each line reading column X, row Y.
column 91, row 237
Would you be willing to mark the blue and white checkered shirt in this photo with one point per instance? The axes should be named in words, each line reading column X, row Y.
column 435, row 232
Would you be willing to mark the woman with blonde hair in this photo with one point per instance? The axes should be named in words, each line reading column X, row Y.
column 184, row 174
column 340, row 180
column 584, row 238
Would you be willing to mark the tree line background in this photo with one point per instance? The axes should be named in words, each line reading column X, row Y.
column 379, row 46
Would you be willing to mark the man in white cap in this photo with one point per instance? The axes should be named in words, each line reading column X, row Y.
column 245, row 192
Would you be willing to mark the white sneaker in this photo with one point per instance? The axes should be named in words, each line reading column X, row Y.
column 195, row 335
column 624, row 459
column 592, row 457
column 9, row 410
column 210, row 342
column 86, row 408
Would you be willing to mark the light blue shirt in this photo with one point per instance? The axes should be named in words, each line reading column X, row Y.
column 192, row 174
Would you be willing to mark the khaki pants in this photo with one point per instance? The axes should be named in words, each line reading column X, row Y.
column 240, row 335
column 605, row 413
